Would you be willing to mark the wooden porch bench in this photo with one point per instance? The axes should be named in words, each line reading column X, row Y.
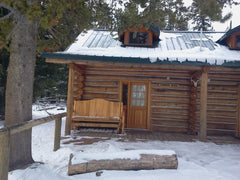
column 98, row 113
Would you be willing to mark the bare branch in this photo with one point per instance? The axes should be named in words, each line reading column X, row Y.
column 11, row 9
column 6, row 16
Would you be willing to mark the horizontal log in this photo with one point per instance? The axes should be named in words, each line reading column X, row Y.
column 101, row 89
column 222, row 101
column 221, row 95
column 225, row 77
column 29, row 124
column 221, row 119
column 169, row 122
column 221, row 107
column 214, row 82
column 102, row 96
column 214, row 125
column 113, row 77
column 183, row 81
column 145, row 162
column 102, row 83
column 169, row 110
column 108, row 99
column 137, row 73
column 176, row 116
column 169, row 129
column 222, row 88
column 166, row 104
column 170, row 99
column 175, row 87
column 222, row 113
column 221, row 132
column 147, row 69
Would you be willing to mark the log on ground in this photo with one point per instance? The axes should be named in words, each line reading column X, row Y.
column 145, row 162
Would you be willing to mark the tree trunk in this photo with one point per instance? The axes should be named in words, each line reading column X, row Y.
column 19, row 89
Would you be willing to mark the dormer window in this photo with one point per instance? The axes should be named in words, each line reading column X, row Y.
column 231, row 38
column 139, row 38
column 238, row 41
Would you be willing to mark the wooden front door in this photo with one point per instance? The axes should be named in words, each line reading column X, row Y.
column 137, row 105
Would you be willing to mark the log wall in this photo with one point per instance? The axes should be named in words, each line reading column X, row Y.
column 170, row 96
column 222, row 102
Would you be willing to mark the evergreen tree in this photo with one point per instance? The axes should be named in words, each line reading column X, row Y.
column 203, row 12
column 170, row 15
column 25, row 27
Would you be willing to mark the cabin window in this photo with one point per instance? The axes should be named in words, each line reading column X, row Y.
column 138, row 38
column 238, row 41
column 138, row 95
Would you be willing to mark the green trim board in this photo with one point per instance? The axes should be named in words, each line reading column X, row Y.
column 53, row 55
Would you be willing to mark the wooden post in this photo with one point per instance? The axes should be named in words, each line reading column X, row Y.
column 57, row 137
column 69, row 101
column 203, row 105
column 238, row 114
column 4, row 155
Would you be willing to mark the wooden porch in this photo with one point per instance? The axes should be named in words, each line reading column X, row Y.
column 87, row 136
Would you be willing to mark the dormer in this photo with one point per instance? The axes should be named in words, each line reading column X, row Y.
column 231, row 38
column 140, row 36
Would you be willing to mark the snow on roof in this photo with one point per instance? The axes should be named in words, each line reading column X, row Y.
column 173, row 45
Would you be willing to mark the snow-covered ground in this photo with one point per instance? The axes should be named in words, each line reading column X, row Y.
column 197, row 160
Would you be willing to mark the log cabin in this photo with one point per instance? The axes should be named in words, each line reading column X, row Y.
column 168, row 81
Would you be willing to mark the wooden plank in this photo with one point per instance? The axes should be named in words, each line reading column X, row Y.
column 4, row 155
column 69, row 101
column 57, row 136
column 203, row 106
column 238, row 114
column 96, row 119
column 94, row 124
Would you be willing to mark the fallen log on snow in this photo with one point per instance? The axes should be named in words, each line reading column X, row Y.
column 147, row 160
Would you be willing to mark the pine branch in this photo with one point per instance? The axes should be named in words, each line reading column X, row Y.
column 11, row 9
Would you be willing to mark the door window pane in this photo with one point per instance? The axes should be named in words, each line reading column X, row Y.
column 138, row 95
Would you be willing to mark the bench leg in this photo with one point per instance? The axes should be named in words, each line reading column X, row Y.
column 123, row 124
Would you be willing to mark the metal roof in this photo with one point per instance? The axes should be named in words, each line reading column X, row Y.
column 173, row 47
column 189, row 40
column 181, row 40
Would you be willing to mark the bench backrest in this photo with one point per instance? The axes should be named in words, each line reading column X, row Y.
column 97, row 108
